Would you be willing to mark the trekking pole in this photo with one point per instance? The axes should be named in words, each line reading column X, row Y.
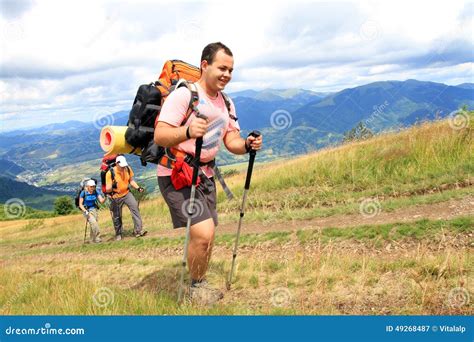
column 190, row 209
column 85, row 231
column 253, row 153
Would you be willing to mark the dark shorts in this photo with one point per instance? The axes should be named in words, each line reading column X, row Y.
column 178, row 202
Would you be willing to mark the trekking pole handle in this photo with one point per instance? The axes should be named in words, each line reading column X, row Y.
column 197, row 158
column 197, row 154
column 254, row 134
column 253, row 153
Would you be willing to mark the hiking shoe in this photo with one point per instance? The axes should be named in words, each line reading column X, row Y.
column 118, row 237
column 142, row 233
column 97, row 240
column 203, row 294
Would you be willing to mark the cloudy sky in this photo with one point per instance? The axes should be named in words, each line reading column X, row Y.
column 79, row 60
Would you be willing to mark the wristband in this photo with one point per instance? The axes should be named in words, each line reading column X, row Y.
column 187, row 133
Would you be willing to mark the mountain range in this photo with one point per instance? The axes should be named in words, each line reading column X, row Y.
column 293, row 121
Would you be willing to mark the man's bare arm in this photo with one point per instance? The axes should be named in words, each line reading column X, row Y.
column 167, row 135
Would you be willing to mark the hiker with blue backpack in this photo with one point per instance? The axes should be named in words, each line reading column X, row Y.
column 88, row 203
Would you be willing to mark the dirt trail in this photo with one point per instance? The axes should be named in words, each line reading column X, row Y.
column 438, row 211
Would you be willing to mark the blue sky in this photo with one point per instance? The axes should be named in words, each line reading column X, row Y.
column 79, row 60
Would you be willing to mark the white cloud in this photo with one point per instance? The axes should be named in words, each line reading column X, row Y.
column 71, row 60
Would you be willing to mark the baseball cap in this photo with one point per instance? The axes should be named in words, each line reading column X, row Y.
column 90, row 182
column 121, row 161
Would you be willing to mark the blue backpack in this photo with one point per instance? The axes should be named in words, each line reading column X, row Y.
column 81, row 188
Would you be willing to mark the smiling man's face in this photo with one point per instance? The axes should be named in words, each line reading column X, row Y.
column 219, row 73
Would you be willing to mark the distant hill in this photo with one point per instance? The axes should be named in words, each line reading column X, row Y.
column 10, row 169
column 280, row 94
column 34, row 197
column 118, row 118
column 466, row 85
column 54, row 145
column 72, row 124
column 382, row 105
column 254, row 108
column 311, row 120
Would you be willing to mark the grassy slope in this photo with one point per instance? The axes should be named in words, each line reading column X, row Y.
column 386, row 269
column 405, row 268
column 419, row 165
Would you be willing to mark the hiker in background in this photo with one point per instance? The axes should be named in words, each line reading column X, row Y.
column 120, row 194
column 88, row 204
column 221, row 125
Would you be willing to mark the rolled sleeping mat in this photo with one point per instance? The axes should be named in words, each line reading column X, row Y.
column 112, row 141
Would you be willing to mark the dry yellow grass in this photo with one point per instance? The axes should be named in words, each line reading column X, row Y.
column 381, row 269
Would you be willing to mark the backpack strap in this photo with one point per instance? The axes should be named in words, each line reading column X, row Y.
column 227, row 104
column 96, row 202
column 112, row 175
column 220, row 178
column 192, row 107
column 193, row 101
column 83, row 195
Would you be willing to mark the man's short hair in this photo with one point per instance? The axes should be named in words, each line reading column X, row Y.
column 210, row 51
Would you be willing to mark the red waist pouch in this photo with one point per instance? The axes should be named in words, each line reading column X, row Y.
column 182, row 174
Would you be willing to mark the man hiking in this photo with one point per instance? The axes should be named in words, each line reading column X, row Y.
column 215, row 124
column 118, row 188
column 88, row 204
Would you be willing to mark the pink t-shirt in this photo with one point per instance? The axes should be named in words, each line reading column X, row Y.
column 174, row 110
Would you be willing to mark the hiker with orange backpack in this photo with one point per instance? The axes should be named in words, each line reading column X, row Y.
column 192, row 125
column 118, row 180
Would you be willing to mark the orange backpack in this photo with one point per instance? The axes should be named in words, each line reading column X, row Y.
column 173, row 71
column 147, row 105
column 146, row 110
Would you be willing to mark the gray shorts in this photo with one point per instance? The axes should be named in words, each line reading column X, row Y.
column 178, row 202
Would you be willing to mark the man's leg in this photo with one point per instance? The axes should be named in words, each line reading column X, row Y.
column 132, row 204
column 200, row 248
column 116, row 210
